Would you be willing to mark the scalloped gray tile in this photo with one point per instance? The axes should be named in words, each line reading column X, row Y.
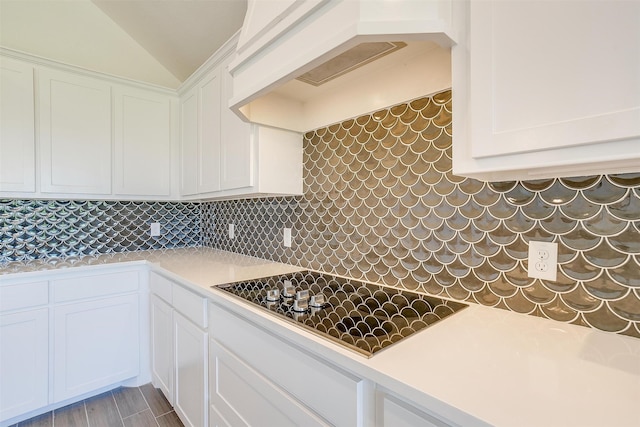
column 381, row 204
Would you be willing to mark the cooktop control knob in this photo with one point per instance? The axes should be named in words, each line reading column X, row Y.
column 317, row 301
column 300, row 305
column 289, row 290
column 273, row 295
column 302, row 295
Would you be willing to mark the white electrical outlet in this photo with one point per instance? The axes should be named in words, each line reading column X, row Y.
column 543, row 260
column 232, row 231
column 287, row 237
column 155, row 229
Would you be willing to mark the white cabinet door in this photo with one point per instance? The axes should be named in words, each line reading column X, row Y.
column 142, row 150
column 209, row 98
column 75, row 133
column 189, row 143
column 240, row 396
column 96, row 343
column 190, row 353
column 550, row 88
column 162, row 365
column 17, row 129
column 24, row 362
column 200, row 137
column 237, row 158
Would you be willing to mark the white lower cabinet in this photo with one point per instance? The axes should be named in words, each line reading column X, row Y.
column 191, row 371
column 68, row 335
column 241, row 396
column 24, row 347
column 258, row 379
column 95, row 345
column 179, row 351
column 162, row 346
column 24, row 362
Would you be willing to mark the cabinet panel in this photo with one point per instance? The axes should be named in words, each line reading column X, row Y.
column 242, row 397
column 237, row 157
column 142, row 126
column 162, row 364
column 209, row 126
column 189, row 143
column 558, row 87
column 560, row 102
column 24, row 362
column 96, row 344
column 190, row 347
column 75, row 133
column 17, row 129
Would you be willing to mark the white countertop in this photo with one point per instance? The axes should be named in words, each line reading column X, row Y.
column 500, row 367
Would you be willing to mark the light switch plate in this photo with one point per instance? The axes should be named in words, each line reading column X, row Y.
column 543, row 260
column 287, row 237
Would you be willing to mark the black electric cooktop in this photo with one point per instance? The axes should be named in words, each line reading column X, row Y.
column 363, row 317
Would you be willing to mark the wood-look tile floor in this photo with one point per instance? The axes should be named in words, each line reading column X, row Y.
column 143, row 406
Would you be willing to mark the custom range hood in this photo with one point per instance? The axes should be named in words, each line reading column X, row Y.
column 304, row 64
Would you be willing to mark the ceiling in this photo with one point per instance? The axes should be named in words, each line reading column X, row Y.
column 158, row 41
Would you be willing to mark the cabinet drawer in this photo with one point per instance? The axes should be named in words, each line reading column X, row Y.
column 22, row 295
column 291, row 369
column 161, row 286
column 192, row 306
column 393, row 412
column 91, row 286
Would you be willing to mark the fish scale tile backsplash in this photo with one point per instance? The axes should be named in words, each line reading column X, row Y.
column 382, row 205
column 39, row 229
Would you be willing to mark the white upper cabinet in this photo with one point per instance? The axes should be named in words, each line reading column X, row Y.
column 221, row 155
column 200, row 137
column 17, row 131
column 209, row 106
column 235, row 144
column 75, row 133
column 97, row 136
column 189, row 143
column 544, row 89
column 142, row 125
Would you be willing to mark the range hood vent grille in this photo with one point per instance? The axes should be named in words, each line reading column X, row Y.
column 348, row 61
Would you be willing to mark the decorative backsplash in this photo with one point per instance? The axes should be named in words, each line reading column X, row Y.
column 35, row 229
column 382, row 205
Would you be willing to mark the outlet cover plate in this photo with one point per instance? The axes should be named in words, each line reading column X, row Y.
column 543, row 260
